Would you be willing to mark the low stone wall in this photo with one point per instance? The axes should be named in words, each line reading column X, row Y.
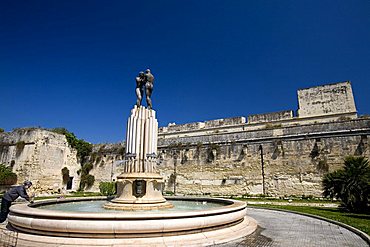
column 270, row 117
column 224, row 122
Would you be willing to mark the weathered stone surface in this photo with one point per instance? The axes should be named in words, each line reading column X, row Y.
column 222, row 156
column 327, row 99
column 224, row 122
column 295, row 158
column 217, row 123
column 270, row 117
column 106, row 160
column 39, row 155
column 294, row 162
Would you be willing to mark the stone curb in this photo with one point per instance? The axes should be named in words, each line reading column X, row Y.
column 360, row 233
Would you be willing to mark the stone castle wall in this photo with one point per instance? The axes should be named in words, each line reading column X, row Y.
column 39, row 155
column 327, row 99
column 107, row 163
column 218, row 157
column 270, row 117
column 225, row 159
column 295, row 159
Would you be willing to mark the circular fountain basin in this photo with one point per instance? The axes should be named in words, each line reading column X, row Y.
column 193, row 221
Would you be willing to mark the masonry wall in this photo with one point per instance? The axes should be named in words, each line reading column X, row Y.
column 270, row 117
column 106, row 160
column 327, row 99
column 39, row 155
column 295, row 159
column 218, row 157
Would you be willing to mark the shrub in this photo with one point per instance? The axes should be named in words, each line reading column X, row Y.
column 90, row 179
column 7, row 176
column 350, row 185
column 107, row 188
column 87, row 180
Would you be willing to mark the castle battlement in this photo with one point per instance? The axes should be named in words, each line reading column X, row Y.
column 320, row 104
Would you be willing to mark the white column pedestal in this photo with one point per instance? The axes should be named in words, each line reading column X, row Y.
column 140, row 186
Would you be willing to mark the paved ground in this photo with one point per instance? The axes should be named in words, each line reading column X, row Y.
column 282, row 229
column 292, row 230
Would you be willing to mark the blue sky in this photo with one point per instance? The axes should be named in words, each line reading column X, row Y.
column 72, row 63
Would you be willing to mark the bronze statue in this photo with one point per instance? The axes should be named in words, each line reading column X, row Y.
column 140, row 82
column 149, row 79
column 144, row 80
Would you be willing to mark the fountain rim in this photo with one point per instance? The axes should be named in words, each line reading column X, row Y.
column 34, row 210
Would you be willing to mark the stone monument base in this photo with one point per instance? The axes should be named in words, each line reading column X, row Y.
column 139, row 191
column 137, row 206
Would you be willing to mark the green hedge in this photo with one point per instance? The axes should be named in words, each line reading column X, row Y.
column 107, row 188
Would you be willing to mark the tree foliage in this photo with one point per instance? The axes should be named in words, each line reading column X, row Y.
column 7, row 176
column 351, row 184
column 87, row 180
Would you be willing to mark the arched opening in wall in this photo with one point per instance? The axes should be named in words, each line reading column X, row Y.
column 69, row 183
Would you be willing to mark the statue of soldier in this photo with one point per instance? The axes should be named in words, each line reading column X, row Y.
column 149, row 80
column 140, row 83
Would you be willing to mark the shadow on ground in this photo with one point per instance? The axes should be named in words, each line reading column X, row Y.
column 253, row 240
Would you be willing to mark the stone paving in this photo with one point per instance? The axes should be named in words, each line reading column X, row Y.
column 284, row 229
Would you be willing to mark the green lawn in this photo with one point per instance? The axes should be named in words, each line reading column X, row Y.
column 359, row 221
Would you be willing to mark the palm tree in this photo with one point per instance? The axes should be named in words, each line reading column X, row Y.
column 351, row 185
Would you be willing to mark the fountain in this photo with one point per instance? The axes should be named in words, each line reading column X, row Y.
column 140, row 186
column 139, row 215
